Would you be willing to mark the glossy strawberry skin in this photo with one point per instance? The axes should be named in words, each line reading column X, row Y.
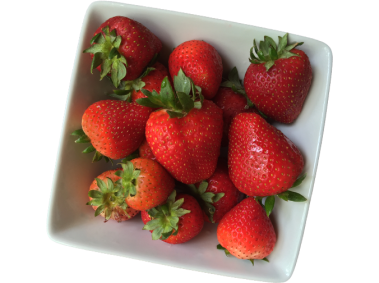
column 246, row 231
column 190, row 225
column 201, row 62
column 145, row 151
column 118, row 214
column 231, row 104
column 152, row 81
column 280, row 92
column 220, row 182
column 138, row 45
column 187, row 147
column 262, row 160
column 115, row 128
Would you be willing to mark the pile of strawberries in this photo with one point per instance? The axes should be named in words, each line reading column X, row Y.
column 169, row 126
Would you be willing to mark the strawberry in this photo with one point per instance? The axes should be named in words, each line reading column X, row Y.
column 145, row 182
column 246, row 232
column 217, row 195
column 278, row 81
column 177, row 221
column 146, row 152
column 231, row 98
column 108, row 200
column 262, row 160
column 185, row 136
column 114, row 128
column 123, row 48
column 201, row 62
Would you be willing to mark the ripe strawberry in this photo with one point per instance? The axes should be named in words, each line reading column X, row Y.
column 278, row 81
column 151, row 81
column 107, row 198
column 246, row 232
column 262, row 160
column 217, row 195
column 177, row 221
column 185, row 137
column 201, row 62
column 123, row 48
column 114, row 128
column 232, row 99
column 146, row 152
column 145, row 182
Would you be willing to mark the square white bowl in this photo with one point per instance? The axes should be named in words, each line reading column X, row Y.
column 71, row 222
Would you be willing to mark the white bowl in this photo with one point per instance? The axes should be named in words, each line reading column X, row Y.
column 71, row 222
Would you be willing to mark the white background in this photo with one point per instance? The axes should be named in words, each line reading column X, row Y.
column 355, row 150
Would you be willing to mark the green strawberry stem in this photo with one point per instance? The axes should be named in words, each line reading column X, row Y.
column 179, row 102
column 205, row 199
column 107, row 198
column 165, row 218
column 287, row 196
column 83, row 138
column 228, row 254
column 234, row 83
column 105, row 48
column 128, row 178
column 268, row 52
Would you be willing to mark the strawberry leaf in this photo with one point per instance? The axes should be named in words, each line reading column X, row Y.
column 269, row 205
column 89, row 149
column 299, row 181
column 292, row 196
column 95, row 194
column 147, row 102
column 270, row 41
column 96, row 61
column 182, row 83
column 218, row 196
column 99, row 210
column 186, row 101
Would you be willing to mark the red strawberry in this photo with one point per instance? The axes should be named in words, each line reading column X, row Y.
column 106, row 199
column 262, row 160
column 146, row 152
column 114, row 128
column 145, row 182
column 201, row 62
column 185, row 137
column 246, row 232
column 217, row 195
column 278, row 81
column 177, row 221
column 123, row 48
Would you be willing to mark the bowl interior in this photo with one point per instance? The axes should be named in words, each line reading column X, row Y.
column 73, row 223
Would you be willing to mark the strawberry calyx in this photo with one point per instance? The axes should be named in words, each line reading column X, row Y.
column 228, row 254
column 268, row 52
column 83, row 138
column 105, row 47
column 128, row 178
column 165, row 218
column 107, row 198
column 286, row 196
column 178, row 103
column 205, row 199
column 124, row 92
